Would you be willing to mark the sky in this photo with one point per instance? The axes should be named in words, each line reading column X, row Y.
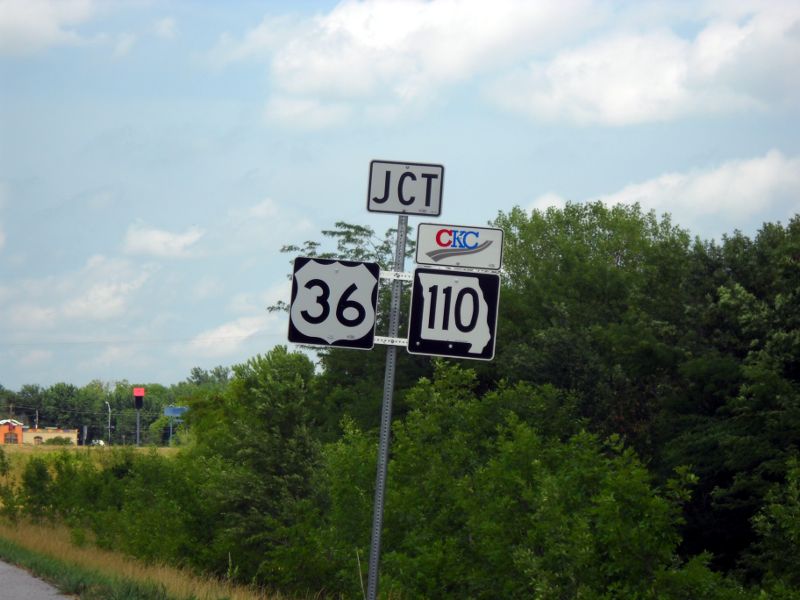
column 155, row 155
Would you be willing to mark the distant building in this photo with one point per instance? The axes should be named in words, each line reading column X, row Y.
column 34, row 436
column 13, row 432
column 10, row 432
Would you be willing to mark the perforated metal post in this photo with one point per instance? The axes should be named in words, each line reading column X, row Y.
column 386, row 412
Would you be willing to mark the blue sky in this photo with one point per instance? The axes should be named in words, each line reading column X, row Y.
column 155, row 155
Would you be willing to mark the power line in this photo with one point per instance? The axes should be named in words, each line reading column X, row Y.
column 82, row 411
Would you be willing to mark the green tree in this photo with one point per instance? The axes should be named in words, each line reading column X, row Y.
column 592, row 302
column 503, row 495
column 268, row 458
column 734, row 415
column 36, row 486
column 29, row 399
column 777, row 524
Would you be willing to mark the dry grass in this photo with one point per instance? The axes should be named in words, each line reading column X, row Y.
column 55, row 541
column 18, row 454
column 28, row 449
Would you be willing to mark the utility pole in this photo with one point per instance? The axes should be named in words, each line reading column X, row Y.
column 138, row 403
column 109, row 422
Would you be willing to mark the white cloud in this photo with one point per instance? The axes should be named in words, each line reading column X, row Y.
column 123, row 45
column 260, row 41
column 2, row 237
column 254, row 303
column 394, row 55
column 165, row 28
column 103, row 300
column 722, row 197
column 266, row 209
column 263, row 210
column 142, row 240
column 32, row 317
column 103, row 289
column 632, row 77
column 545, row 201
column 226, row 339
column 241, row 336
column 383, row 60
column 113, row 355
column 242, row 232
column 28, row 26
column 244, row 303
column 35, row 358
column 306, row 113
column 207, row 287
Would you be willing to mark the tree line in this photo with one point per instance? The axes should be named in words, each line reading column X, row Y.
column 106, row 410
column 636, row 436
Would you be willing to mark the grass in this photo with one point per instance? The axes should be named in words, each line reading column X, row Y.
column 73, row 564
column 90, row 572
column 18, row 454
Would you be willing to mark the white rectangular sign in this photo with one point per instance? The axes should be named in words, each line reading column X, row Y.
column 405, row 188
column 459, row 246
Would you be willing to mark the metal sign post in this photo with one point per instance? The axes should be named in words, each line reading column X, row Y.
column 386, row 412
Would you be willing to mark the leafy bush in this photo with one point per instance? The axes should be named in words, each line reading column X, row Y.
column 57, row 441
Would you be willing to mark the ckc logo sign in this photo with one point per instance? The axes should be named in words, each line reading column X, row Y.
column 456, row 238
column 459, row 246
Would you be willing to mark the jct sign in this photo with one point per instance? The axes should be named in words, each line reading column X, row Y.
column 459, row 246
column 405, row 188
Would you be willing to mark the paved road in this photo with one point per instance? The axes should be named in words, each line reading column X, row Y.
column 16, row 583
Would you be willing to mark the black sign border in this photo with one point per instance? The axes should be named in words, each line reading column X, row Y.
column 489, row 283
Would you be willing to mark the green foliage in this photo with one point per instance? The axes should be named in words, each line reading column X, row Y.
column 355, row 242
column 8, row 497
column 735, row 418
column 778, row 527
column 636, row 436
column 58, row 441
column 592, row 303
column 268, row 458
column 36, row 487
column 153, row 525
column 5, row 464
